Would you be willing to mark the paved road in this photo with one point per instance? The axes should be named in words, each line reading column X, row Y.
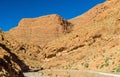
column 34, row 74
column 72, row 73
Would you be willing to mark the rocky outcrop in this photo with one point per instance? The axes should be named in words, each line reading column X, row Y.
column 28, row 53
column 42, row 29
column 10, row 64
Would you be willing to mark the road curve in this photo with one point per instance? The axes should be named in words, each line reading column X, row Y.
column 72, row 73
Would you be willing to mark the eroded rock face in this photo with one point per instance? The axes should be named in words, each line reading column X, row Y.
column 92, row 46
column 9, row 62
column 42, row 29
column 96, row 14
column 27, row 53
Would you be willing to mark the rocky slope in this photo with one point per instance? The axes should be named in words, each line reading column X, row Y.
column 97, row 13
column 42, row 29
column 28, row 53
column 92, row 46
column 10, row 64
column 16, row 57
column 32, row 34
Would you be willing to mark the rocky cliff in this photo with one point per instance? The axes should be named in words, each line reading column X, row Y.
column 93, row 44
column 42, row 29
column 10, row 64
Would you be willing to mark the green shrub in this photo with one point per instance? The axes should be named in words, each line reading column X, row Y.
column 118, row 69
column 107, row 59
column 86, row 65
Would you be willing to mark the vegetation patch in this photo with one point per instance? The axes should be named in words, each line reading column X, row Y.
column 86, row 65
column 117, row 69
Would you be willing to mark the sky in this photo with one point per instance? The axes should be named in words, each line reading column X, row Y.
column 12, row 11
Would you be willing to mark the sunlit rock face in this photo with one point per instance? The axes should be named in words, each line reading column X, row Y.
column 9, row 62
column 42, row 29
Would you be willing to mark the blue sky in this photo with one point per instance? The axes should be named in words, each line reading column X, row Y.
column 12, row 11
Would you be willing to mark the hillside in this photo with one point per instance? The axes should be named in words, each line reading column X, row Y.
column 88, row 42
column 96, row 14
column 10, row 64
column 16, row 58
column 91, row 46
column 41, row 30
